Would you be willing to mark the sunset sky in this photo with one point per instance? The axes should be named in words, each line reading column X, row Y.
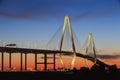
column 32, row 23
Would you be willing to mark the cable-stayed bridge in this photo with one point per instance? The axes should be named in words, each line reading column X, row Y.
column 90, row 49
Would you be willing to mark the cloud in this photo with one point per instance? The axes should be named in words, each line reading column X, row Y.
column 31, row 14
column 32, row 9
column 11, row 15
column 29, row 9
column 106, row 9
column 108, row 56
column 93, row 14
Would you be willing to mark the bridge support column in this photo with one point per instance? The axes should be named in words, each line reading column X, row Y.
column 21, row 62
column 35, row 61
column 54, row 61
column 2, row 62
column 25, row 61
column 10, row 66
column 45, row 61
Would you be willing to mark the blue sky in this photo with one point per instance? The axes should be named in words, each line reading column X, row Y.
column 35, row 21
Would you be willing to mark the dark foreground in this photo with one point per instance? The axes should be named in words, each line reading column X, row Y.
column 82, row 74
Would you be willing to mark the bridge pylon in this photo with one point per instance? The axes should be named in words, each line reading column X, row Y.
column 67, row 24
column 90, row 45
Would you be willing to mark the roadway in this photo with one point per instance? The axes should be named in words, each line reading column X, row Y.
column 42, row 51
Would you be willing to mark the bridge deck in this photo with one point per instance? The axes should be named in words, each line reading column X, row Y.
column 25, row 51
column 33, row 51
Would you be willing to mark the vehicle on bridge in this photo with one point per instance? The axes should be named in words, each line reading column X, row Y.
column 11, row 45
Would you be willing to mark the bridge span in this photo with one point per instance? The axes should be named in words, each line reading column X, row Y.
column 26, row 51
column 90, row 45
